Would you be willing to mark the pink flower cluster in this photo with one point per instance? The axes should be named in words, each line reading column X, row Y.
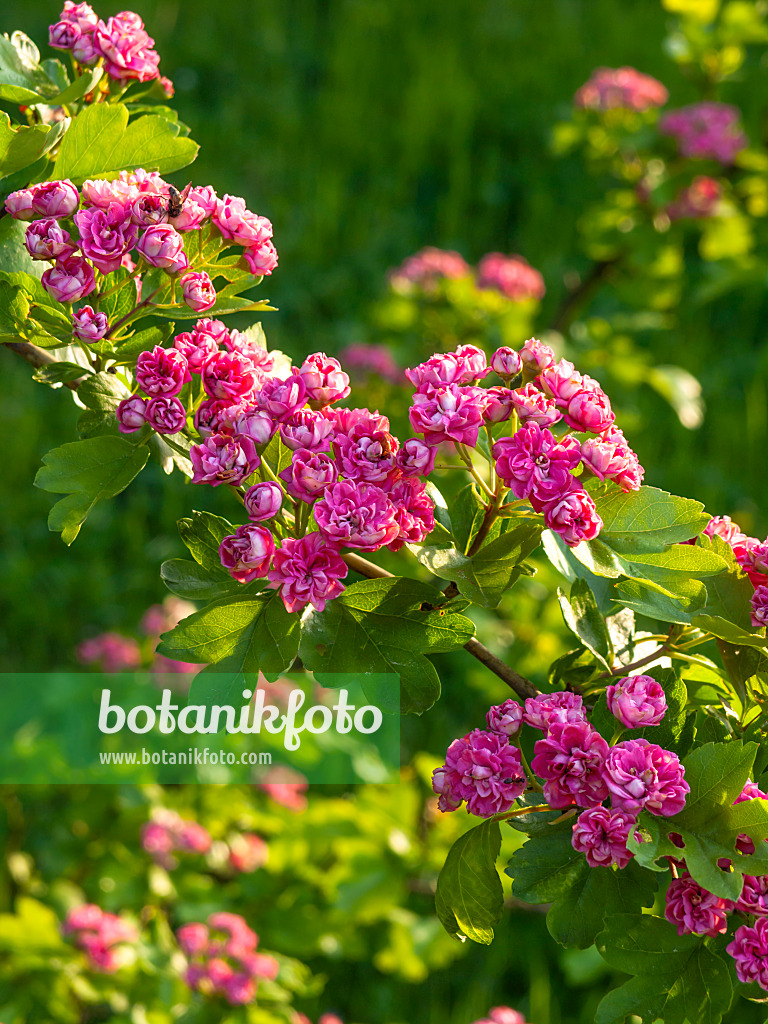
column 223, row 960
column 752, row 556
column 99, row 228
column 103, row 937
column 483, row 768
column 121, row 42
column 609, row 88
column 706, row 130
column 428, row 266
column 168, row 833
column 512, row 276
column 247, row 853
column 111, row 652
column 699, row 199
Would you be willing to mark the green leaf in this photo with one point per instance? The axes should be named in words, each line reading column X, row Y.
column 678, row 978
column 202, row 534
column 469, row 898
column 710, row 823
column 58, row 373
column 87, row 472
column 22, row 80
column 102, row 392
column 584, row 620
column 245, row 633
column 593, row 897
column 121, row 302
column 142, row 341
column 566, row 563
column 223, row 307
column 13, row 256
column 486, row 575
column 648, row 519
column 21, row 146
column 386, row 625
column 100, row 143
column 194, row 582
column 85, row 83
column 467, row 513
column 670, row 733
column 651, row 602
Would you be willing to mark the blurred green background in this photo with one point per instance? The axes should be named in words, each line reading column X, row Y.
column 366, row 129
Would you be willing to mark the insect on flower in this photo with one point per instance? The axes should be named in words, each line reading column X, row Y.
column 176, row 200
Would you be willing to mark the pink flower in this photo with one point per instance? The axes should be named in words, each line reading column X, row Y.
column 222, row 459
column 601, row 835
column 261, row 965
column 166, row 414
column 228, row 376
column 253, row 423
column 238, row 989
column 131, row 414
column 427, row 267
column 106, row 235
column 198, row 207
column 307, row 570
column 307, row 429
column 247, row 852
column 196, row 349
column 198, row 291
column 700, row 199
column 499, row 404
column 536, row 357
column 625, row 87
column 357, row 515
column 97, row 934
column 55, row 199
column 447, row 413
column 482, row 768
column 724, row 526
column 70, row 279
column 324, row 380
column 573, row 516
column 217, row 417
column 590, row 410
column 149, row 209
column 237, row 224
column 749, row 950
column 162, row 371
column 511, row 275
column 282, row 398
column 247, row 554
column 562, row 382
column 285, row 786
column 63, row 35
column 213, row 330
column 759, row 606
column 414, row 511
column 694, row 910
column 126, row 48
column 263, row 501
column 19, row 204
column 102, row 193
column 641, row 775
column 754, row 896
column 415, row 458
column 261, row 258
column 549, row 708
column 533, row 406
column 706, row 130
column 193, row 938
column 505, row 718
column 367, row 454
column 465, row 365
column 162, row 246
column 88, row 325
column 612, row 460
column 308, row 475
column 571, row 760
column 533, row 465
column 506, row 362
column 47, row 240
column 637, row 701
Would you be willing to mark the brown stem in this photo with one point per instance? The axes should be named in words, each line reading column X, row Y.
column 570, row 304
column 523, row 687
column 623, row 670
column 38, row 357
column 132, row 315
